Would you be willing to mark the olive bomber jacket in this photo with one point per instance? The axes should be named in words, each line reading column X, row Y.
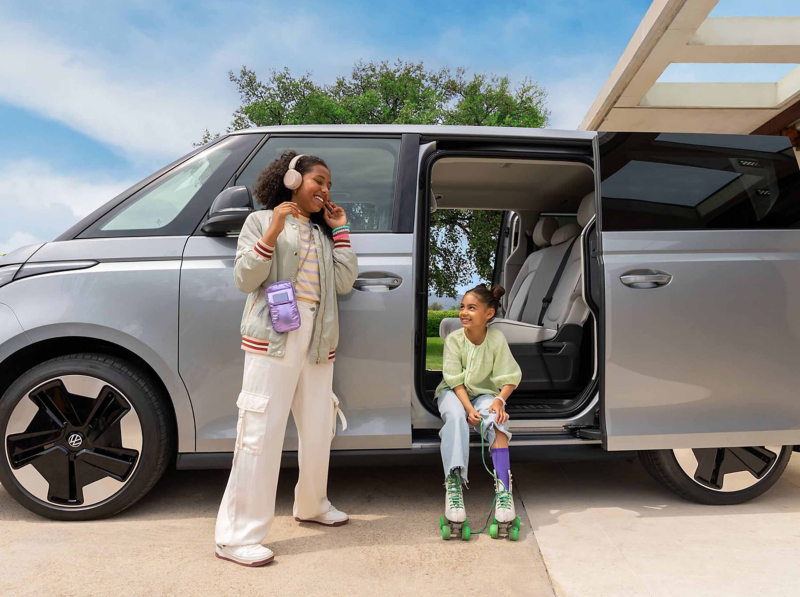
column 258, row 265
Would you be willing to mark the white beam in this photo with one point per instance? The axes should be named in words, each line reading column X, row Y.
column 789, row 87
column 735, row 121
column 712, row 95
column 748, row 31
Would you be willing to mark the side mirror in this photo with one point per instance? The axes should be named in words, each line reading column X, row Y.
column 229, row 211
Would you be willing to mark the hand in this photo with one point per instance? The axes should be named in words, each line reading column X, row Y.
column 279, row 216
column 474, row 417
column 500, row 409
column 334, row 215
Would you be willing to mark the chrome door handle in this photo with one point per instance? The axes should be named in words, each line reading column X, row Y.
column 645, row 278
column 388, row 282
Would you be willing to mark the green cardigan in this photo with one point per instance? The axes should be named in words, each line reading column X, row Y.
column 482, row 369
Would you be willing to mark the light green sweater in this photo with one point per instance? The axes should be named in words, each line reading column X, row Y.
column 482, row 369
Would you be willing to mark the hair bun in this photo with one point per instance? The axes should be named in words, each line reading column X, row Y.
column 498, row 291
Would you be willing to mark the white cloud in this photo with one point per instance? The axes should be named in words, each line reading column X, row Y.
column 138, row 116
column 38, row 203
column 16, row 240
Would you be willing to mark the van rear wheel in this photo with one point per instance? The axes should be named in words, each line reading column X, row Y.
column 718, row 476
column 84, row 436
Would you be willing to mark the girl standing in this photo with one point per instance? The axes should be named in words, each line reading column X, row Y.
column 300, row 237
column 479, row 374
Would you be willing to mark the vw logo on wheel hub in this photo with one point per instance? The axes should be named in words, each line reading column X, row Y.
column 75, row 440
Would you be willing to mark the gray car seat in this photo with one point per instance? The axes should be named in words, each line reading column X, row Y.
column 546, row 338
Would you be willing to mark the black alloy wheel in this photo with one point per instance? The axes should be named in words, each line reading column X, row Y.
column 84, row 436
column 718, row 476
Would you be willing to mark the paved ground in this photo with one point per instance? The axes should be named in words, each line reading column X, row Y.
column 164, row 545
column 603, row 528
column 607, row 529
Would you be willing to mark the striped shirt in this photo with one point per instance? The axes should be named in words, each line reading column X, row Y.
column 307, row 285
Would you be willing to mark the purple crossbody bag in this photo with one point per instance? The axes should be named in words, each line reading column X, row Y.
column 283, row 310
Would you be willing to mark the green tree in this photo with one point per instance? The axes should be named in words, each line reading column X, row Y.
column 435, row 307
column 462, row 242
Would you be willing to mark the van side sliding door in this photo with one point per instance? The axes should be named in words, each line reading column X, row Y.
column 701, row 252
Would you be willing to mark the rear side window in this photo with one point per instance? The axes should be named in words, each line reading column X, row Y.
column 363, row 174
column 676, row 181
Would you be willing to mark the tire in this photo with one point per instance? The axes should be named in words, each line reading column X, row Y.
column 718, row 476
column 84, row 437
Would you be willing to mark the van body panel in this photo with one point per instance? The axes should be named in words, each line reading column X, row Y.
column 703, row 353
column 131, row 302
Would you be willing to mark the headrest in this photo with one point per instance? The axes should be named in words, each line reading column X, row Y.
column 565, row 233
column 586, row 209
column 543, row 231
column 448, row 325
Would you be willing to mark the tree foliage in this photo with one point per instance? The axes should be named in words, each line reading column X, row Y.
column 462, row 242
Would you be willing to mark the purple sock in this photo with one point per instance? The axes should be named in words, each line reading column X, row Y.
column 502, row 465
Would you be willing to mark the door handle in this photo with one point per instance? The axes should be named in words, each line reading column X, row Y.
column 364, row 281
column 645, row 278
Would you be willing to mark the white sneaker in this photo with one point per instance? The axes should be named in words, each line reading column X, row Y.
column 331, row 518
column 246, row 555
column 454, row 510
column 504, row 510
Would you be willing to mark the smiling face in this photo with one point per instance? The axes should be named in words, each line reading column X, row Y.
column 474, row 315
column 315, row 190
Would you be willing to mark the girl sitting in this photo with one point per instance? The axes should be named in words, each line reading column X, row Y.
column 479, row 374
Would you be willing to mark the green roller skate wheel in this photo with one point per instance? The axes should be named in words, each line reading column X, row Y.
column 442, row 522
column 494, row 531
column 465, row 532
column 516, row 523
column 513, row 533
column 445, row 532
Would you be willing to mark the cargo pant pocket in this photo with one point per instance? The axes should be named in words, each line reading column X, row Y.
column 252, row 425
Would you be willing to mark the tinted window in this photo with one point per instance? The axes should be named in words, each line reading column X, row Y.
column 363, row 173
column 673, row 181
column 175, row 202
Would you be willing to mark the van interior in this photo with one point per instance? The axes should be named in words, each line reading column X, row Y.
column 548, row 320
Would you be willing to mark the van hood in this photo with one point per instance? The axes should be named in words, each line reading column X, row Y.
column 20, row 255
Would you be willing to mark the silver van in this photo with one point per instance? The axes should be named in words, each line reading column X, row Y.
column 651, row 305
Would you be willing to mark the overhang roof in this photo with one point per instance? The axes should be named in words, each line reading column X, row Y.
column 680, row 31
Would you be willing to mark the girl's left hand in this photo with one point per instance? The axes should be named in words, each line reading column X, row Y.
column 499, row 408
column 334, row 215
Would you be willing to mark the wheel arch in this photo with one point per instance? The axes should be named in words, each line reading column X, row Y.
column 50, row 343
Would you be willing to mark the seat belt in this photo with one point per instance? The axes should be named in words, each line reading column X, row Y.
column 550, row 291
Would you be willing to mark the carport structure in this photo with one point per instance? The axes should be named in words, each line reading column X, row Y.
column 681, row 32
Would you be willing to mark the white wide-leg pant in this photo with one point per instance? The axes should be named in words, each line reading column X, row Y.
column 271, row 388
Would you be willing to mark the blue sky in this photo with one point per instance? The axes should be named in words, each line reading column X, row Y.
column 96, row 95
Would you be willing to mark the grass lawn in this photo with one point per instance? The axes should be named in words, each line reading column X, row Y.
column 433, row 357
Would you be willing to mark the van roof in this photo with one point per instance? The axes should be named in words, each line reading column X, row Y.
column 447, row 130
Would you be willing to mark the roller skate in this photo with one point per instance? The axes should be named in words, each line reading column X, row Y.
column 455, row 519
column 506, row 522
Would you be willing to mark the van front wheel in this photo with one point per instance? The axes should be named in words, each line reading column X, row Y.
column 718, row 476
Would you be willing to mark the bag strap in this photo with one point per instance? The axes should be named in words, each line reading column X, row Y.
column 550, row 291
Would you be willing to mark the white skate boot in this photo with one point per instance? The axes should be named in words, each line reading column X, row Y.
column 505, row 515
column 455, row 515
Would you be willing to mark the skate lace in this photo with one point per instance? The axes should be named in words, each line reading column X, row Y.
column 504, row 500
column 454, row 495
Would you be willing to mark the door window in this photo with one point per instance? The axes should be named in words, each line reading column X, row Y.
column 675, row 181
column 175, row 202
column 363, row 173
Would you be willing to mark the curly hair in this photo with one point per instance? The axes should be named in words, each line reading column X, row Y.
column 490, row 298
column 270, row 191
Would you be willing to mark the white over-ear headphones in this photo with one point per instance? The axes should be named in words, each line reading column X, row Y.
column 293, row 179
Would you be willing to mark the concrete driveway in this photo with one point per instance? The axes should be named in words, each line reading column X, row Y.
column 164, row 545
column 603, row 528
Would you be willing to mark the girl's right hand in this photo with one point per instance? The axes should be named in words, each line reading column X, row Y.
column 474, row 417
column 279, row 215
